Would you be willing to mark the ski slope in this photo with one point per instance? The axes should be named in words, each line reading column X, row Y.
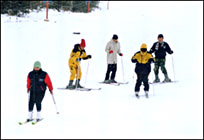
column 173, row 110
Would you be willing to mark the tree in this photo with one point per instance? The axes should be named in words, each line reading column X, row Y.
column 19, row 8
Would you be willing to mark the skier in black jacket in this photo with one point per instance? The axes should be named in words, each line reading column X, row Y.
column 160, row 48
column 37, row 82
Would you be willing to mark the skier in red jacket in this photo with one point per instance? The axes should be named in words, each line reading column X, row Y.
column 37, row 81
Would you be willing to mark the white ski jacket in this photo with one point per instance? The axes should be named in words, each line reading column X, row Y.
column 112, row 57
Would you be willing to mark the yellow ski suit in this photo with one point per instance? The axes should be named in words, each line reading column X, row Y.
column 74, row 65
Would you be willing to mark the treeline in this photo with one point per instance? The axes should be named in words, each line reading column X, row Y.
column 19, row 8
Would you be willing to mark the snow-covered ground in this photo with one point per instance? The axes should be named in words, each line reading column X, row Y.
column 173, row 110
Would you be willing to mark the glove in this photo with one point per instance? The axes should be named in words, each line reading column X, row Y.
column 121, row 54
column 134, row 60
column 89, row 56
column 111, row 51
column 28, row 90
column 51, row 92
column 171, row 52
column 151, row 60
column 78, row 59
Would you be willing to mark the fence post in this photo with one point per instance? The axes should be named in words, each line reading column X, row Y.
column 46, row 11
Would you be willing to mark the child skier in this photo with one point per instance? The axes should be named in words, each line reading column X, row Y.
column 76, row 55
column 37, row 81
column 143, row 60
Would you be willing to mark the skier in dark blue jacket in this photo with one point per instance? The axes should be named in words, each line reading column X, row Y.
column 160, row 48
column 37, row 81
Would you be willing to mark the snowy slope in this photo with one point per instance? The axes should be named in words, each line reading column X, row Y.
column 172, row 111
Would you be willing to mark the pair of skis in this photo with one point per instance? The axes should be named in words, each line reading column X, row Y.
column 138, row 96
column 33, row 121
column 115, row 84
column 154, row 83
column 81, row 89
column 89, row 89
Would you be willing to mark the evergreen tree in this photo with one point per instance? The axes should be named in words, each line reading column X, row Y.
column 19, row 8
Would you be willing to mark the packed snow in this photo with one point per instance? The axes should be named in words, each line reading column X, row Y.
column 173, row 110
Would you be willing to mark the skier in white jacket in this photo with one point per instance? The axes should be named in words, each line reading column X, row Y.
column 112, row 49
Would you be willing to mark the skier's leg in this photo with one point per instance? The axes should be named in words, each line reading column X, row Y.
column 145, row 81
column 73, row 72
column 77, row 84
column 72, row 77
column 108, row 72
column 80, row 73
column 39, row 98
column 114, row 69
column 30, row 106
column 156, row 70
column 138, row 83
column 164, row 71
column 31, row 102
column 162, row 64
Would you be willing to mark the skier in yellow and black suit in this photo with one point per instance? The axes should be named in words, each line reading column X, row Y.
column 76, row 55
column 143, row 60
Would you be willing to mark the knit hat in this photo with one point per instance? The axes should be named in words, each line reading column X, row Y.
column 37, row 64
column 160, row 36
column 115, row 37
column 83, row 43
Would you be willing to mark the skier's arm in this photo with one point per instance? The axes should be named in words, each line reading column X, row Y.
column 152, row 49
column 119, row 51
column 134, row 59
column 152, row 59
column 85, row 56
column 107, row 47
column 28, row 83
column 48, row 83
column 168, row 49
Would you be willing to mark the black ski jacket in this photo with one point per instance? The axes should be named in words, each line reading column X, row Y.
column 160, row 49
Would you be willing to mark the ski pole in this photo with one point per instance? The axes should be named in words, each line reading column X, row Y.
column 122, row 68
column 55, row 103
column 153, row 85
column 173, row 67
column 133, row 76
column 87, row 72
column 28, row 98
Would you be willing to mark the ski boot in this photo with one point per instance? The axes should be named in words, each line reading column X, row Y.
column 77, row 84
column 107, row 81
column 38, row 118
column 146, row 94
column 166, row 78
column 157, row 80
column 30, row 116
column 137, row 95
column 70, row 86
column 113, row 81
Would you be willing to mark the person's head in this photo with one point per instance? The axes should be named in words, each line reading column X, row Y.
column 160, row 37
column 83, row 44
column 37, row 65
column 115, row 38
column 143, row 48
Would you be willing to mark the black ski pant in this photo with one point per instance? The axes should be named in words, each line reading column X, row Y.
column 35, row 98
column 111, row 68
column 142, row 77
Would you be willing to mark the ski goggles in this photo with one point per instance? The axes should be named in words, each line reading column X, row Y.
column 143, row 49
